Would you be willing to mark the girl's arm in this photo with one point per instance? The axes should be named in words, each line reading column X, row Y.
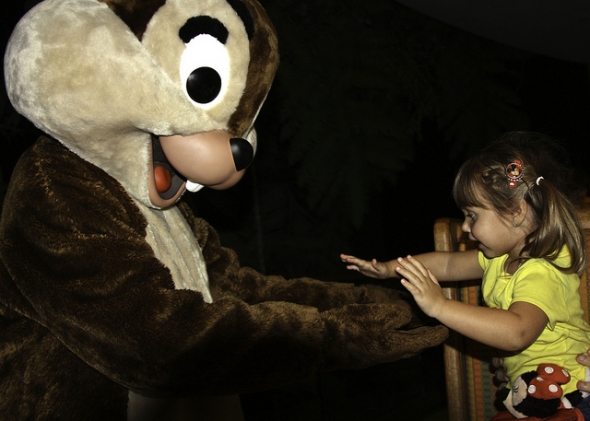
column 510, row 330
column 446, row 266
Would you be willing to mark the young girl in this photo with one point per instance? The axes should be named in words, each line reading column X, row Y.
column 531, row 250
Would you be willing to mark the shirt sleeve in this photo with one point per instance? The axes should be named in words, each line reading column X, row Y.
column 539, row 284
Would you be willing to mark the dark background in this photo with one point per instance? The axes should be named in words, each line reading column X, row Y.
column 373, row 109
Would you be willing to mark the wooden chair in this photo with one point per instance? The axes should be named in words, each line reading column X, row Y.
column 469, row 380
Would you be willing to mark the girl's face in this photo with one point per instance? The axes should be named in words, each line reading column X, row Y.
column 496, row 234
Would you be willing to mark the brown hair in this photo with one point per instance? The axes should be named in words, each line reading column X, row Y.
column 482, row 182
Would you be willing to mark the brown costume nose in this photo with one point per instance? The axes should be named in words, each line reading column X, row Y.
column 242, row 151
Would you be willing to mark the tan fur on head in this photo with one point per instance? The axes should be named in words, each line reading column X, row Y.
column 79, row 73
column 164, row 27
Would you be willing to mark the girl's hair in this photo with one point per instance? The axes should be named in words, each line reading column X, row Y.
column 482, row 181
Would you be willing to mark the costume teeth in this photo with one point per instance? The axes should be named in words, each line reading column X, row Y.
column 193, row 187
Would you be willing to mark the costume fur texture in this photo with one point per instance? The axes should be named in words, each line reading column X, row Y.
column 109, row 301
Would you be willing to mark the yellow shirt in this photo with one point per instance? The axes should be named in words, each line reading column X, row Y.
column 556, row 293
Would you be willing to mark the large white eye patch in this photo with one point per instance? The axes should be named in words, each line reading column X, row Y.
column 205, row 63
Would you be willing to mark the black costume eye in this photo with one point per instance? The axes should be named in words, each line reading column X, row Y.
column 203, row 85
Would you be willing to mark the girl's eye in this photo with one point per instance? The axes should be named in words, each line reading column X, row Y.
column 470, row 216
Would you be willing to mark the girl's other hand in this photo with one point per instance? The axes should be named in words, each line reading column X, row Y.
column 497, row 367
column 584, row 359
column 422, row 284
column 372, row 269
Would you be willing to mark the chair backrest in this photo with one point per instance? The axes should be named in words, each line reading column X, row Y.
column 470, row 388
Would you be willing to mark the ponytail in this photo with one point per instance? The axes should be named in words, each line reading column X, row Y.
column 558, row 226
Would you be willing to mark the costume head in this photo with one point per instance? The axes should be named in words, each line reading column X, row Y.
column 153, row 92
column 113, row 298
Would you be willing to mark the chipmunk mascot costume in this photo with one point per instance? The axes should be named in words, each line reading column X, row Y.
column 116, row 303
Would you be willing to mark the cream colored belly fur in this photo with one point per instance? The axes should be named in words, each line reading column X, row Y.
column 174, row 244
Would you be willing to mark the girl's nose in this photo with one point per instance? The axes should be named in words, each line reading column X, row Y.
column 466, row 226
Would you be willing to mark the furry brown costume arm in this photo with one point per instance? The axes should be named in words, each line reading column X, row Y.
column 126, row 320
column 227, row 278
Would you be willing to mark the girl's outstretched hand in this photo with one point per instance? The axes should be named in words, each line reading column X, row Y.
column 422, row 284
column 373, row 269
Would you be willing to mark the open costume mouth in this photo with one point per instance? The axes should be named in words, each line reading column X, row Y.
column 168, row 181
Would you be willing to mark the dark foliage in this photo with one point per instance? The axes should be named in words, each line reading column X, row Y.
column 367, row 94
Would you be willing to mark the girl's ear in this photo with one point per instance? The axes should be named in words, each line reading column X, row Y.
column 520, row 209
column 519, row 213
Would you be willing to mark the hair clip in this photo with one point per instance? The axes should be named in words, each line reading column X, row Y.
column 514, row 173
